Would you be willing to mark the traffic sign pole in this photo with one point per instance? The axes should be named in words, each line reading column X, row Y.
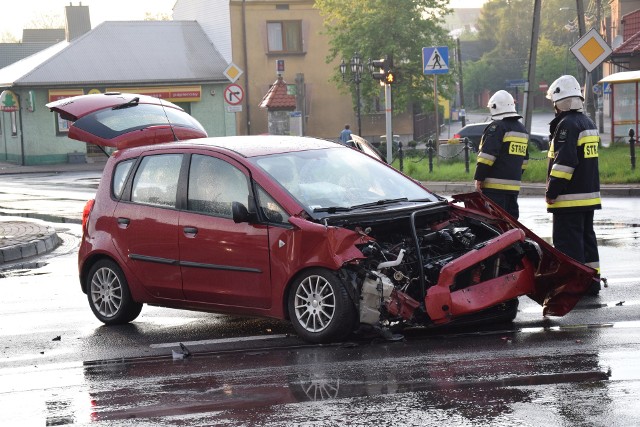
column 435, row 60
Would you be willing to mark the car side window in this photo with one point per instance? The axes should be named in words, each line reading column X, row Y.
column 214, row 184
column 272, row 211
column 156, row 180
column 120, row 175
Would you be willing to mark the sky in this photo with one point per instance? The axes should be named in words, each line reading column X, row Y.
column 21, row 12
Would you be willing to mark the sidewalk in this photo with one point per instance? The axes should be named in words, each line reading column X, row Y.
column 25, row 239
column 94, row 165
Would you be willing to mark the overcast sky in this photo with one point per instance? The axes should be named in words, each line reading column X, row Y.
column 22, row 12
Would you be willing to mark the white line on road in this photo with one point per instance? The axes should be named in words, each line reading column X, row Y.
column 219, row 341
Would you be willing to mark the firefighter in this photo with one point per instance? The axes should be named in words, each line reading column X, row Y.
column 503, row 154
column 573, row 182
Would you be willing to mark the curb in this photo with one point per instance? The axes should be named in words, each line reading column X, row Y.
column 22, row 239
column 529, row 189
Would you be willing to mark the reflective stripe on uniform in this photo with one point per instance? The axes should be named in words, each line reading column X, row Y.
column 576, row 200
column 485, row 158
column 517, row 143
column 589, row 135
column 516, row 137
column 551, row 152
column 594, row 265
column 501, row 184
column 561, row 171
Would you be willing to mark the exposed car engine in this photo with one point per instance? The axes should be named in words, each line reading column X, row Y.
column 405, row 261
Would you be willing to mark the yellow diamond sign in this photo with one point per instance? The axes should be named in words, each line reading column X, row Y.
column 233, row 72
column 591, row 50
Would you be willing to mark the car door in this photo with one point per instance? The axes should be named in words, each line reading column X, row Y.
column 146, row 235
column 222, row 262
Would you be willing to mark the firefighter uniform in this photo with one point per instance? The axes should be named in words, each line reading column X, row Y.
column 573, row 184
column 502, row 158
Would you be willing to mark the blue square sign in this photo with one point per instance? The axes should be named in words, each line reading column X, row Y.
column 435, row 60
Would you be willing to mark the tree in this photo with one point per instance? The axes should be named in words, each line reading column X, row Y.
column 375, row 28
column 504, row 31
column 7, row 37
column 554, row 61
column 148, row 16
column 46, row 21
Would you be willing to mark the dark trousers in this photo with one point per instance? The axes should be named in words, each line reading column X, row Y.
column 573, row 235
column 507, row 201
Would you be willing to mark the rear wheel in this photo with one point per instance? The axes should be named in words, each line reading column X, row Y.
column 108, row 294
column 320, row 308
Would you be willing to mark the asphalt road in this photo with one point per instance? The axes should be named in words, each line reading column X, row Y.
column 59, row 365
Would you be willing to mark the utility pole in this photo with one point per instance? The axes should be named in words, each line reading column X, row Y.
column 588, row 89
column 600, row 72
column 533, row 55
column 462, row 118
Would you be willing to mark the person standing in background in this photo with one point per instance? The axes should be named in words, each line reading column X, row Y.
column 573, row 180
column 503, row 154
column 345, row 135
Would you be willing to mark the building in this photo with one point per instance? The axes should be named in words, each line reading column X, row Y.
column 173, row 60
column 621, row 74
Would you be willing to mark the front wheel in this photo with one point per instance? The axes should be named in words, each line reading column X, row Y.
column 320, row 308
column 108, row 294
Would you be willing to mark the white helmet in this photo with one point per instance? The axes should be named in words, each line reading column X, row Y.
column 564, row 87
column 502, row 105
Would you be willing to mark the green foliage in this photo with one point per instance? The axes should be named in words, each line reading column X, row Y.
column 375, row 28
column 614, row 163
column 504, row 31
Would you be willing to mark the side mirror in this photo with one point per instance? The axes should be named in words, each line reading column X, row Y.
column 239, row 212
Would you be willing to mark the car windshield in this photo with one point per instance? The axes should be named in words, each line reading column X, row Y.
column 339, row 179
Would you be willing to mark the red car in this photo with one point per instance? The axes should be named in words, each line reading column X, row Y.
column 293, row 228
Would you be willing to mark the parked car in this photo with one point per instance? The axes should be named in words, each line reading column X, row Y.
column 293, row 228
column 474, row 132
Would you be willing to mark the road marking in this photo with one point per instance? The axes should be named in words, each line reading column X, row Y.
column 219, row 341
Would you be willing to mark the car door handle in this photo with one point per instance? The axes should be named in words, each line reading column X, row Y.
column 123, row 222
column 190, row 231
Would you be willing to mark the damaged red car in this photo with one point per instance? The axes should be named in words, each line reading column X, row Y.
column 293, row 228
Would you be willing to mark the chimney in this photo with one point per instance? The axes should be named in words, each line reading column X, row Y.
column 77, row 21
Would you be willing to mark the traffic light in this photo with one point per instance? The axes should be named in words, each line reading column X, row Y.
column 390, row 77
column 382, row 69
column 380, row 65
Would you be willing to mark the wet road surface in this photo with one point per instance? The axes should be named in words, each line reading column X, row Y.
column 59, row 366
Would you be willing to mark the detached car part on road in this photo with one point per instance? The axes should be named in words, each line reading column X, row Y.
column 293, row 228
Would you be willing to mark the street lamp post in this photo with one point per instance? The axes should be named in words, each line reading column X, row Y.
column 356, row 68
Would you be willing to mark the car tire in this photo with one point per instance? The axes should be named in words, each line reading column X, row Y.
column 320, row 308
column 108, row 294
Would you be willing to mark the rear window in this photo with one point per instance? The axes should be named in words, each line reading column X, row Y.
column 110, row 123
column 120, row 175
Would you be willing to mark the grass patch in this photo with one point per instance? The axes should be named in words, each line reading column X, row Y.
column 614, row 163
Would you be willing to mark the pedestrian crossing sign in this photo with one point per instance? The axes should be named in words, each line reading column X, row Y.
column 435, row 60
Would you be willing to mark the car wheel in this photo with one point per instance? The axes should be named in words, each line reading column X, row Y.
column 108, row 294
column 320, row 308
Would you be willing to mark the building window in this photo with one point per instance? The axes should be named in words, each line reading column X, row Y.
column 284, row 36
column 14, row 123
